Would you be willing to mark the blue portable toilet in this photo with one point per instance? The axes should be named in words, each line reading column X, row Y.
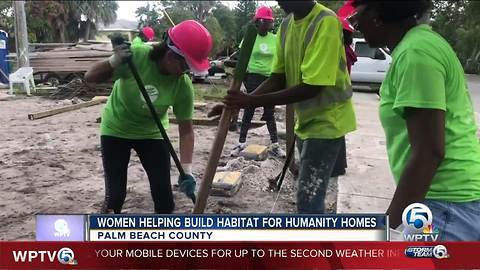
column 4, row 68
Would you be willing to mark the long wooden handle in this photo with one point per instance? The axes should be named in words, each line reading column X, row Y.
column 222, row 130
column 39, row 115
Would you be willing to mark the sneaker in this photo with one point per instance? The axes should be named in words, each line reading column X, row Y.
column 237, row 149
column 277, row 151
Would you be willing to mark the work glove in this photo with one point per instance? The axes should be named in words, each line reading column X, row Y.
column 187, row 185
column 216, row 110
column 121, row 54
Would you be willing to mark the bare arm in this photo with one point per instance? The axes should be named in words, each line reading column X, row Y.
column 275, row 82
column 286, row 96
column 99, row 72
column 187, row 141
column 103, row 71
column 426, row 132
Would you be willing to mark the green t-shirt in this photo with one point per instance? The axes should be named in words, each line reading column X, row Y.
column 126, row 114
column 263, row 51
column 137, row 41
column 426, row 73
column 321, row 63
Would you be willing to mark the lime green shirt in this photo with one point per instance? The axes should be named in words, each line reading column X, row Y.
column 137, row 41
column 126, row 114
column 263, row 51
column 321, row 63
column 426, row 73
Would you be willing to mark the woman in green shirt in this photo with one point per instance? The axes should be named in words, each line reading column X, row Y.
column 429, row 122
column 126, row 120
column 258, row 70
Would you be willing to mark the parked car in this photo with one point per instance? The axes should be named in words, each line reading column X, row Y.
column 216, row 67
column 372, row 64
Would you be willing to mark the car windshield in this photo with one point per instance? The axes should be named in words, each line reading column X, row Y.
column 362, row 49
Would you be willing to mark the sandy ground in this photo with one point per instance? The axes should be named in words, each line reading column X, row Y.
column 53, row 165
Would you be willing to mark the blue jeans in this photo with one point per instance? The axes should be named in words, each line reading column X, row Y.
column 317, row 159
column 456, row 221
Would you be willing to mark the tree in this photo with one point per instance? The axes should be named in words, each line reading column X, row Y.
column 216, row 31
column 6, row 16
column 47, row 20
column 153, row 16
column 226, row 18
column 149, row 16
column 244, row 12
column 458, row 23
column 95, row 12
column 201, row 9
column 279, row 16
column 61, row 21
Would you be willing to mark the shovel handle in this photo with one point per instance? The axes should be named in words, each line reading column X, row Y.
column 222, row 130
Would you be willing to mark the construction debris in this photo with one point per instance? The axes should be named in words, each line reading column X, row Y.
column 77, row 58
column 39, row 115
column 79, row 88
column 226, row 183
column 255, row 152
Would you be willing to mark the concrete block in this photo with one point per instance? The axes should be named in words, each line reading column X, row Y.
column 255, row 152
column 226, row 183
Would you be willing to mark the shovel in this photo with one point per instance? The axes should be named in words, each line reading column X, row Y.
column 279, row 179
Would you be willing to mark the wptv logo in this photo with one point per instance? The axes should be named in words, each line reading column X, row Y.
column 64, row 256
column 417, row 219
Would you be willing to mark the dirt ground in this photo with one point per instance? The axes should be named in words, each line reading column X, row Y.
column 53, row 165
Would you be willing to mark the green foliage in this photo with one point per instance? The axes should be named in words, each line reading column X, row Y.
column 6, row 16
column 95, row 12
column 60, row 21
column 279, row 15
column 226, row 18
column 201, row 9
column 458, row 22
column 216, row 31
column 244, row 12
column 149, row 16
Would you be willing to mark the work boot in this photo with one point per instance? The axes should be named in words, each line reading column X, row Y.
column 237, row 149
column 277, row 151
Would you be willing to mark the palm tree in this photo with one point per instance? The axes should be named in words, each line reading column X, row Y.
column 92, row 13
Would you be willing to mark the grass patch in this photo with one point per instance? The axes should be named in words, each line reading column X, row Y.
column 209, row 90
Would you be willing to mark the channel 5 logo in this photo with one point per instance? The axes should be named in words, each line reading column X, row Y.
column 66, row 256
column 438, row 252
column 417, row 219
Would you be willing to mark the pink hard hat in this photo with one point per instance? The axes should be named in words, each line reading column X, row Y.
column 193, row 42
column 346, row 24
column 346, row 10
column 264, row 12
column 148, row 32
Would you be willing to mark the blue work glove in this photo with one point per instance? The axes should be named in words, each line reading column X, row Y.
column 187, row 185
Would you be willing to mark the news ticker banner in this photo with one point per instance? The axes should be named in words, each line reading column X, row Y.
column 239, row 255
column 213, row 227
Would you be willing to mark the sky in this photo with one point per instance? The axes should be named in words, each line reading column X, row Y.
column 126, row 9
